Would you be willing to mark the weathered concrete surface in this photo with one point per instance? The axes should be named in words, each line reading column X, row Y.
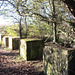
column 14, row 43
column 58, row 61
column 1, row 37
column 31, row 49
column 6, row 41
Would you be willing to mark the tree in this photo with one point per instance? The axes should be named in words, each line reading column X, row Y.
column 53, row 18
column 47, row 10
column 22, row 10
column 71, row 5
column 53, row 14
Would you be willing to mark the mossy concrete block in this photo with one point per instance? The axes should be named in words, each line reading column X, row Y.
column 31, row 49
column 6, row 41
column 14, row 43
column 1, row 37
column 58, row 61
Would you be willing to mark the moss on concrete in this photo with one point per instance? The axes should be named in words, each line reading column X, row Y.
column 30, row 39
column 14, row 43
column 31, row 49
column 56, row 60
column 1, row 37
column 6, row 41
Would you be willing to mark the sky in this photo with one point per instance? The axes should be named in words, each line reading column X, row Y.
column 4, row 20
column 8, row 21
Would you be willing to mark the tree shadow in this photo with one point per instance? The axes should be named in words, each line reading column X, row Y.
column 9, row 54
column 8, row 67
column 21, row 70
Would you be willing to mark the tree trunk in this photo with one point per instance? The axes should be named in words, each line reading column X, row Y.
column 54, row 32
column 25, row 28
column 20, row 28
column 20, row 34
column 53, row 19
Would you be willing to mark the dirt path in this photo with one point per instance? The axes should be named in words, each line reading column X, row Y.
column 11, row 64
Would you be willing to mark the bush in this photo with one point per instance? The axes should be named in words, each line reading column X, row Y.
column 12, row 30
column 60, row 41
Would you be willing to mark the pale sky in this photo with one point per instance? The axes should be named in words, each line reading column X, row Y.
column 8, row 21
column 5, row 21
column 2, row 22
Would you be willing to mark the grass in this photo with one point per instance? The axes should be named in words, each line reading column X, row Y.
column 7, row 49
column 37, row 65
column 18, row 58
column 0, row 44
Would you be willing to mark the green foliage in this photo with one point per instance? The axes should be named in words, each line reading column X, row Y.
column 33, row 31
column 60, row 40
column 41, row 12
column 12, row 30
column 0, row 44
column 39, row 28
column 18, row 58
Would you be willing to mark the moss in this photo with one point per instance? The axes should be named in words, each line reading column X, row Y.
column 31, row 49
column 23, row 53
column 55, row 59
column 6, row 36
column 38, row 64
column 0, row 44
column 8, row 49
column 31, row 39
column 5, row 41
column 18, row 58
column 14, row 43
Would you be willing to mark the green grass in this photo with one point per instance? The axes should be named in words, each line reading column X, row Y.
column 7, row 49
column 0, row 44
column 18, row 58
column 37, row 65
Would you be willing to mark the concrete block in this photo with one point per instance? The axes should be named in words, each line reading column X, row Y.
column 14, row 43
column 1, row 37
column 31, row 49
column 58, row 61
column 6, row 41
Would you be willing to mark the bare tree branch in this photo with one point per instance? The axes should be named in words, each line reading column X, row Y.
column 1, row 4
